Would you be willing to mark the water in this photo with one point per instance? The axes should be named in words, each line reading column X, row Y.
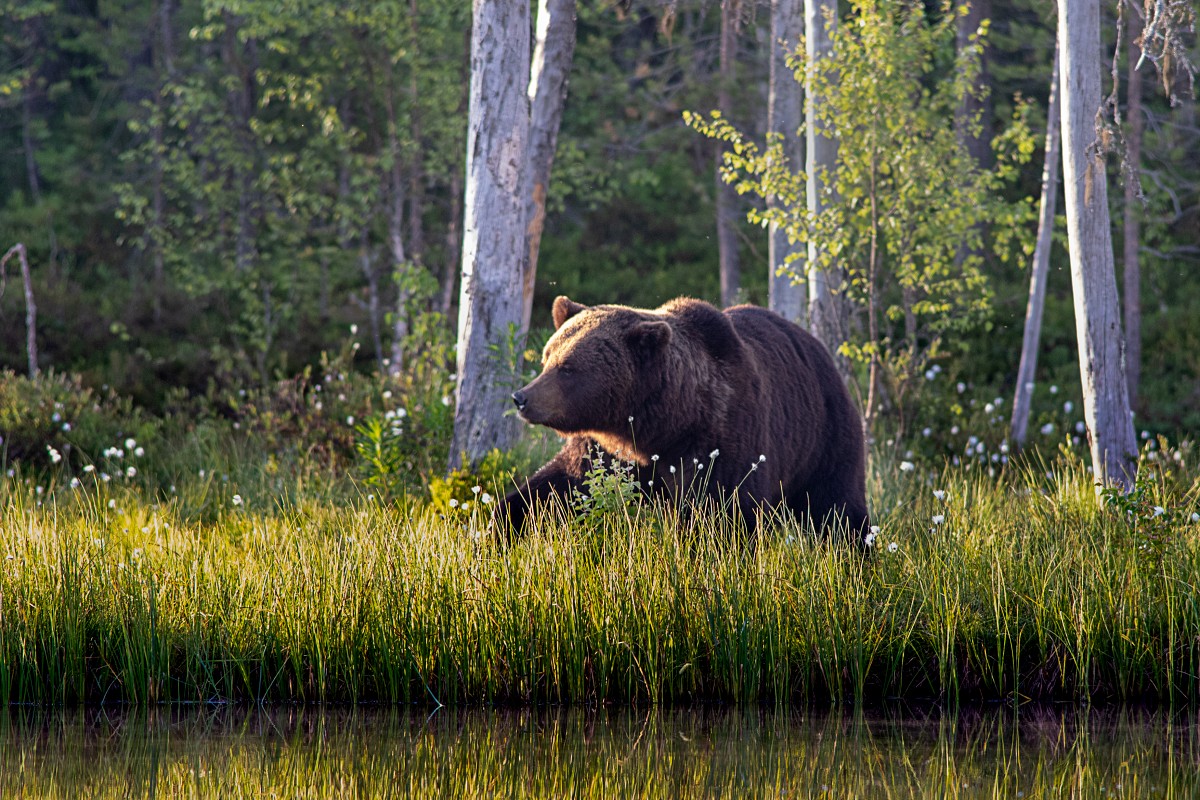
column 300, row 753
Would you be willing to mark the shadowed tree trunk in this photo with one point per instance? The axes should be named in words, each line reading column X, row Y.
column 552, row 55
column 1093, row 278
column 1040, row 268
column 1132, row 295
column 31, row 352
column 978, row 142
column 491, row 297
column 727, row 245
column 787, row 296
column 826, row 312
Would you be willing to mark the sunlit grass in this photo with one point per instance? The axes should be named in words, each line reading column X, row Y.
column 977, row 587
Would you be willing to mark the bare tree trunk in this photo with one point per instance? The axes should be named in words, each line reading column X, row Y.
column 1093, row 277
column 727, row 244
column 978, row 143
column 552, row 55
column 491, row 306
column 30, row 306
column 394, row 192
column 453, row 229
column 1039, row 270
column 31, row 168
column 1132, row 295
column 825, row 310
column 166, row 65
column 786, row 294
column 453, row 244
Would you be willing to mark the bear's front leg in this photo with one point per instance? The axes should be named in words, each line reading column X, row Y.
column 558, row 478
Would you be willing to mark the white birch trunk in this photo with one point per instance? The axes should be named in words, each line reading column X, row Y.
column 824, row 308
column 786, row 294
column 726, row 198
column 1093, row 278
column 490, row 305
column 552, row 55
column 18, row 250
column 1040, row 269
column 1132, row 296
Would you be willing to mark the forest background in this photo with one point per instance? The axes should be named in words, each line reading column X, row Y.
column 227, row 205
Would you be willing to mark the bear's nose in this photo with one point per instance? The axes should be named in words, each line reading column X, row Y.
column 520, row 399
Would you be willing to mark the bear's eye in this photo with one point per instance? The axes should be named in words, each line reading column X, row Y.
column 566, row 369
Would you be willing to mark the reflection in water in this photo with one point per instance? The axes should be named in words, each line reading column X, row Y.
column 295, row 752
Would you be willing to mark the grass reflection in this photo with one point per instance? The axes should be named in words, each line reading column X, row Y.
column 298, row 753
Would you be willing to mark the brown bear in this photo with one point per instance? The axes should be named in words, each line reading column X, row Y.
column 695, row 397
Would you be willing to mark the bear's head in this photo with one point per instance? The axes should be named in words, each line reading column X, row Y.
column 595, row 368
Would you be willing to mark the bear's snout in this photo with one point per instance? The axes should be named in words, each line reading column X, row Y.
column 520, row 399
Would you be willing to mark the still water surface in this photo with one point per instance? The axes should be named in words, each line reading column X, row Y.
column 308, row 753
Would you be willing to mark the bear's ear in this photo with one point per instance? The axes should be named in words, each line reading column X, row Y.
column 564, row 309
column 648, row 336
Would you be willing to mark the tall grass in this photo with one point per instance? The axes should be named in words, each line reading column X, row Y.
column 1016, row 588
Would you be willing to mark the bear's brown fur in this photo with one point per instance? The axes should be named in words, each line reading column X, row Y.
column 673, row 386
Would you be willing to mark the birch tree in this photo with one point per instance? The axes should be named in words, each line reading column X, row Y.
column 491, row 301
column 1093, row 279
column 552, row 55
column 825, row 311
column 726, row 199
column 1132, row 273
column 786, row 294
column 510, row 154
column 1040, row 268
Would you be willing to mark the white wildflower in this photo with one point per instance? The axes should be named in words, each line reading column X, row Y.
column 940, row 494
column 350, row 420
column 387, row 394
column 237, row 500
column 354, row 330
column 75, row 483
column 453, row 503
column 1068, row 407
column 131, row 472
column 139, row 452
column 1053, row 390
column 88, row 468
column 927, row 432
column 476, row 489
column 714, row 454
column 1159, row 511
column 672, row 469
column 1048, row 429
column 1195, row 517
column 961, row 387
column 66, row 426
column 761, row 458
column 445, row 399
column 130, row 444
column 485, row 498
column 55, row 456
column 893, row 547
column 938, row 519
column 907, row 466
